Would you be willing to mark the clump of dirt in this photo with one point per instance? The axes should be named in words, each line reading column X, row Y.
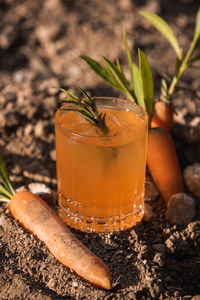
column 40, row 44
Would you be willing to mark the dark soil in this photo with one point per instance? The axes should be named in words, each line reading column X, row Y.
column 40, row 44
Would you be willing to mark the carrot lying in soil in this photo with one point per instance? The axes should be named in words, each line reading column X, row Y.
column 162, row 115
column 37, row 217
column 163, row 163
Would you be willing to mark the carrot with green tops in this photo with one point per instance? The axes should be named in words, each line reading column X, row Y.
column 161, row 155
column 163, row 114
column 163, row 163
column 37, row 217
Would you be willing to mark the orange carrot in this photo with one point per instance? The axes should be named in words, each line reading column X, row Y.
column 163, row 163
column 162, row 115
column 36, row 216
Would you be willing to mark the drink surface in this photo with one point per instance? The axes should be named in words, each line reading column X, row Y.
column 120, row 123
column 101, row 178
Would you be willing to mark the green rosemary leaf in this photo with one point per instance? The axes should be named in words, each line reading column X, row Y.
column 67, row 93
column 75, row 102
column 90, row 101
column 87, row 108
column 85, row 94
column 79, row 109
column 90, row 119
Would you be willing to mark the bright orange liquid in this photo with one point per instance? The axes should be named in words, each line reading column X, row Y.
column 101, row 180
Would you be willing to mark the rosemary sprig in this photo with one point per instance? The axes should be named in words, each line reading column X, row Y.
column 6, row 189
column 87, row 108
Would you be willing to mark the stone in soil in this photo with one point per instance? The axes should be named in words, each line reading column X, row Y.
column 180, row 209
column 192, row 178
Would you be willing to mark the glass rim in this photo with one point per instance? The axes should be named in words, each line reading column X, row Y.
column 81, row 136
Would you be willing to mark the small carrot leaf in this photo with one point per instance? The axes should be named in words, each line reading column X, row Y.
column 147, row 83
column 98, row 69
column 128, row 52
column 4, row 178
column 119, row 67
column 4, row 192
column 164, row 89
column 116, row 74
column 197, row 28
column 118, row 77
column 4, row 199
column 160, row 24
column 137, row 84
column 130, row 62
column 121, row 72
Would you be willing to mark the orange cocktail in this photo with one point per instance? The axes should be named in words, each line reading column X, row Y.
column 101, row 177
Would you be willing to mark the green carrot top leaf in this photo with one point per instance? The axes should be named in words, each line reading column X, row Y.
column 165, row 29
column 6, row 189
column 86, row 107
column 147, row 83
column 197, row 27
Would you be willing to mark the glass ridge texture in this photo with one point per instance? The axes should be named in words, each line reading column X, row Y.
column 101, row 178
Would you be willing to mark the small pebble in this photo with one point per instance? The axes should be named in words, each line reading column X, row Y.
column 2, row 120
column 192, row 178
column 187, row 133
column 48, row 84
column 181, row 209
column 196, row 297
column 53, row 154
column 16, row 170
column 125, row 5
column 40, row 129
column 152, row 6
column 7, row 37
column 42, row 190
column 3, row 221
column 195, row 121
column 10, row 97
column 28, row 129
column 51, row 284
column 75, row 284
column 179, row 116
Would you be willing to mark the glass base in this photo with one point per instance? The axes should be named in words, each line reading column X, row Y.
column 71, row 213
